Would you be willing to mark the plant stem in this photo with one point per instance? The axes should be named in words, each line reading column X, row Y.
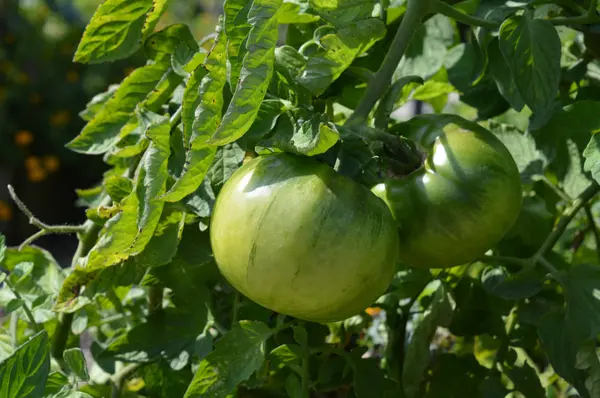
column 411, row 20
column 504, row 259
column 119, row 379
column 511, row 322
column 26, row 309
column 440, row 7
column 155, row 298
column 565, row 219
column 559, row 192
column 45, row 229
column 594, row 228
column 235, row 308
column 592, row 8
column 305, row 376
column 548, row 265
column 580, row 20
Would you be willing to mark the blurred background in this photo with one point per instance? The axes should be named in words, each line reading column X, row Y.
column 41, row 94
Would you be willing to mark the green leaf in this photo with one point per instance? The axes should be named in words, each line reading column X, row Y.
column 439, row 313
column 508, row 286
column 97, row 102
column 427, row 50
column 530, row 161
column 338, row 50
column 115, row 31
column 236, row 357
column 237, row 27
column 227, row 160
column 343, row 12
column 301, row 133
column 583, row 301
column 525, row 379
column 158, row 9
column 293, row 13
column 455, row 376
column 575, row 180
column 163, row 245
column 255, row 75
column 55, row 383
column 118, row 188
column 206, row 102
column 68, row 392
column 492, row 387
column 103, row 131
column 587, row 359
column 293, row 386
column 160, row 45
column 268, row 115
column 24, row 373
column 389, row 100
column 591, row 155
column 369, row 379
column 75, row 360
column 289, row 355
column 160, row 380
column 43, row 278
column 165, row 333
column 503, row 77
column 532, row 49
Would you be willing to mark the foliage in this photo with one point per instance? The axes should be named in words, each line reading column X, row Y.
column 322, row 79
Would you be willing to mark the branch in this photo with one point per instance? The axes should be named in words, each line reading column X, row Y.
column 592, row 8
column 440, row 7
column 594, row 228
column 411, row 20
column 580, row 20
column 565, row 219
column 45, row 229
column 119, row 379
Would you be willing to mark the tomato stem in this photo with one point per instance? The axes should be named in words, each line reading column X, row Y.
column 565, row 219
column 594, row 228
column 415, row 11
column 439, row 6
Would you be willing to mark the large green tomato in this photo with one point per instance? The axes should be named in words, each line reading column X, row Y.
column 460, row 203
column 294, row 236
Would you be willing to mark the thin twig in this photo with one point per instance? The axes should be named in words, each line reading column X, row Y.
column 45, row 229
column 565, row 219
column 548, row 265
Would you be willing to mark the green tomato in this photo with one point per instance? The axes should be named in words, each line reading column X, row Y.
column 294, row 236
column 460, row 203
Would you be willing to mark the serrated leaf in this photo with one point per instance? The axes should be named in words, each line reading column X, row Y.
column 56, row 382
column 293, row 13
column 532, row 49
column 159, row 7
column 338, row 50
column 163, row 245
column 587, row 359
column 343, row 12
column 369, row 379
column 583, row 301
column 305, row 136
column 235, row 358
column 530, row 161
column 508, row 286
column 165, row 333
column 70, row 393
column 492, row 387
column 201, row 202
column 268, row 115
column 97, row 102
column 287, row 355
column 33, row 270
column 591, row 155
column 293, row 386
column 427, row 50
column 575, row 180
column 160, row 45
column 118, row 187
column 75, row 360
column 439, row 313
column 227, row 160
column 115, row 31
column 207, row 104
column 103, row 131
column 255, row 75
column 237, row 28
column 503, row 77
column 24, row 373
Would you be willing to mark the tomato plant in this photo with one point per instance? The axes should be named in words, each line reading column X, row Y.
column 239, row 243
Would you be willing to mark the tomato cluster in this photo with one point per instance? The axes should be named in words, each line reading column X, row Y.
column 298, row 238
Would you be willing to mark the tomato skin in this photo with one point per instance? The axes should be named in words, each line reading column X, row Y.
column 294, row 236
column 459, row 204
